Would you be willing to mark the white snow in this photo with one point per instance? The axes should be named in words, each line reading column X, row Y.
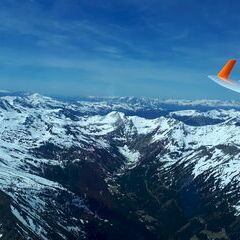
column 132, row 156
column 144, row 126
column 32, row 127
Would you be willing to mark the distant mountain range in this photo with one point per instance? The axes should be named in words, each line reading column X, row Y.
column 118, row 168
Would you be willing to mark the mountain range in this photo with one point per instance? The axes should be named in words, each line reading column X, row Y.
column 118, row 168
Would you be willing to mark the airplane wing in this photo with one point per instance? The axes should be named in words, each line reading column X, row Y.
column 222, row 78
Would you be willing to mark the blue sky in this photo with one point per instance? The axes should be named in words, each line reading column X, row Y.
column 153, row 48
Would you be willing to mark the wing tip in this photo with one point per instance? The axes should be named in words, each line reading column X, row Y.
column 227, row 69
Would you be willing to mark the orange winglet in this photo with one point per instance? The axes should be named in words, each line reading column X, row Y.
column 226, row 70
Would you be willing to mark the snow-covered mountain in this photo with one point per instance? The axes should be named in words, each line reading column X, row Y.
column 114, row 168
